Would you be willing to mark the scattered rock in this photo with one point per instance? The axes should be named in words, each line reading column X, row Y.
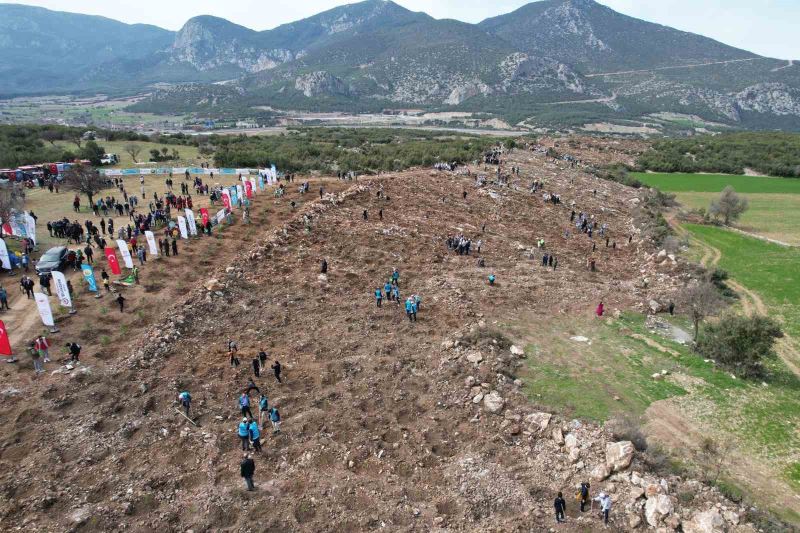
column 516, row 350
column 213, row 285
column 474, row 357
column 710, row 521
column 537, row 422
column 600, row 472
column 579, row 338
column 657, row 509
column 493, row 402
column 619, row 455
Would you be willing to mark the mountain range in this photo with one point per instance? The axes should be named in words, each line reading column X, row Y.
column 560, row 61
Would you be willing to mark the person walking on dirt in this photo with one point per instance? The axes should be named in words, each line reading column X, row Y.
column 244, row 404
column 671, row 308
column 185, row 400
column 121, row 302
column 410, row 312
column 74, row 352
column 387, row 288
column 255, row 435
column 276, row 368
column 4, row 299
column 262, row 359
column 42, row 346
column 605, row 505
column 600, row 310
column 395, row 276
column 174, row 246
column 104, row 277
column 247, row 468
column 38, row 368
column 251, row 385
column 324, row 268
column 89, row 253
column 275, row 418
column 378, row 297
column 244, row 434
column 27, row 286
column 584, row 495
column 491, row 279
column 365, row 215
column 263, row 409
column 256, row 367
column 561, row 508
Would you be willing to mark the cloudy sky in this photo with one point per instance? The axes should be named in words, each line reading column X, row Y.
column 767, row 27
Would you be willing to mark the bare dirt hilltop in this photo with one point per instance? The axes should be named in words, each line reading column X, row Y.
column 387, row 424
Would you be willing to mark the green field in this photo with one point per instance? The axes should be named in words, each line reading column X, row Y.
column 716, row 182
column 773, row 201
column 188, row 154
column 771, row 270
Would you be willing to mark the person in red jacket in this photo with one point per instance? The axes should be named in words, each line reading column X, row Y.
column 600, row 309
column 41, row 345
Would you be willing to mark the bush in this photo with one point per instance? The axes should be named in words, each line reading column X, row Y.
column 741, row 344
column 628, row 427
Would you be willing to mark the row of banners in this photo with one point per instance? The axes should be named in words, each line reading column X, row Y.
column 183, row 170
column 23, row 225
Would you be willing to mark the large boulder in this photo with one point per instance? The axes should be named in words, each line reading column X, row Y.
column 571, row 441
column 493, row 402
column 537, row 422
column 706, row 522
column 657, row 509
column 600, row 472
column 619, row 455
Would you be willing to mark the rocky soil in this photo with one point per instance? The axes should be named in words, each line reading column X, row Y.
column 386, row 424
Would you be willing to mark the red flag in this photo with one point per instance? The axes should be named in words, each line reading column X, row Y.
column 248, row 188
column 226, row 201
column 204, row 214
column 7, row 229
column 5, row 345
column 111, row 257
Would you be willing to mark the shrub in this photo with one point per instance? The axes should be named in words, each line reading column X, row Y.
column 741, row 344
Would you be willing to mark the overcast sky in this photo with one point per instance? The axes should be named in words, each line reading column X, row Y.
column 766, row 27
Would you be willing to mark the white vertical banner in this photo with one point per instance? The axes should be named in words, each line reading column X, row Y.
column 61, row 289
column 182, row 227
column 43, row 304
column 220, row 216
column 253, row 184
column 239, row 194
column 151, row 242
column 4, row 259
column 30, row 222
column 125, row 253
column 192, row 222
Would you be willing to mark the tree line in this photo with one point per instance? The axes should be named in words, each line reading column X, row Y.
column 774, row 154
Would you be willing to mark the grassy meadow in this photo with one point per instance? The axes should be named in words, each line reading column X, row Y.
column 774, row 202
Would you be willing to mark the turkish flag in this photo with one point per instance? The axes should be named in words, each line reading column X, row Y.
column 249, row 189
column 204, row 214
column 111, row 257
column 5, row 345
column 7, row 229
column 226, row 201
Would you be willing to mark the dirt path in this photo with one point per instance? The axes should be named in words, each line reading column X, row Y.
column 676, row 67
column 670, row 424
column 751, row 301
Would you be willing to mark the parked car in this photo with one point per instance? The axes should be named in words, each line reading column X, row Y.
column 53, row 259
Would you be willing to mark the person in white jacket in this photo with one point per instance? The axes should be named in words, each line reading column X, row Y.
column 605, row 505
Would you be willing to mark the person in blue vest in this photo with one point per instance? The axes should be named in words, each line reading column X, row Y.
column 387, row 288
column 263, row 410
column 244, row 434
column 378, row 296
column 244, row 404
column 186, row 401
column 395, row 276
column 411, row 310
column 255, row 435
column 491, row 279
column 396, row 294
column 275, row 418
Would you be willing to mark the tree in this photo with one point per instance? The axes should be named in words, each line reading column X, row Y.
column 75, row 136
column 741, row 343
column 729, row 206
column 133, row 150
column 93, row 152
column 701, row 300
column 51, row 136
column 12, row 198
column 84, row 179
